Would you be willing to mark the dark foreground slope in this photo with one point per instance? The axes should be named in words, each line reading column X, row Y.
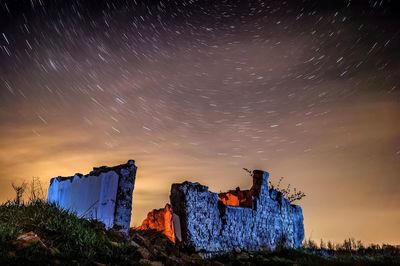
column 40, row 234
column 50, row 236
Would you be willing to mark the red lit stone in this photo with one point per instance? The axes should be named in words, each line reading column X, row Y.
column 160, row 220
column 242, row 198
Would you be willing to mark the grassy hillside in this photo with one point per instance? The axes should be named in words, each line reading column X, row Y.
column 39, row 233
column 61, row 238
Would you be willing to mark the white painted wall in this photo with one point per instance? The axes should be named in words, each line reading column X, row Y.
column 91, row 197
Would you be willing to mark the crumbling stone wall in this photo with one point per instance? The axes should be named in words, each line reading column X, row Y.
column 237, row 197
column 105, row 194
column 161, row 221
column 209, row 226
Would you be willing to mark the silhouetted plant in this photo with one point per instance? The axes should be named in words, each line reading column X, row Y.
column 349, row 244
column 291, row 195
column 322, row 244
column 310, row 244
column 36, row 190
column 360, row 245
column 330, row 245
column 248, row 171
column 19, row 192
column 287, row 192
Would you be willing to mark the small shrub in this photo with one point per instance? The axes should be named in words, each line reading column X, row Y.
column 289, row 194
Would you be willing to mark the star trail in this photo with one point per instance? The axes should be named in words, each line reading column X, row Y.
column 197, row 90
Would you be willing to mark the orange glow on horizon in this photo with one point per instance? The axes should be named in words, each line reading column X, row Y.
column 343, row 190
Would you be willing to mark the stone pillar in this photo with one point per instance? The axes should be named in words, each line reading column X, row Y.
column 123, row 205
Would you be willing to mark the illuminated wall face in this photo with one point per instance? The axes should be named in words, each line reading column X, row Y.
column 105, row 194
column 199, row 91
column 90, row 197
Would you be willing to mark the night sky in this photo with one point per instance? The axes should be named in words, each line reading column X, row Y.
column 197, row 90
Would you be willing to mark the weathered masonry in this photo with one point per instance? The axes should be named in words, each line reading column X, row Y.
column 160, row 220
column 105, row 194
column 260, row 218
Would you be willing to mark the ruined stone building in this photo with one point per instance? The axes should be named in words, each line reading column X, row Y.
column 198, row 219
column 212, row 223
column 105, row 194
column 259, row 218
